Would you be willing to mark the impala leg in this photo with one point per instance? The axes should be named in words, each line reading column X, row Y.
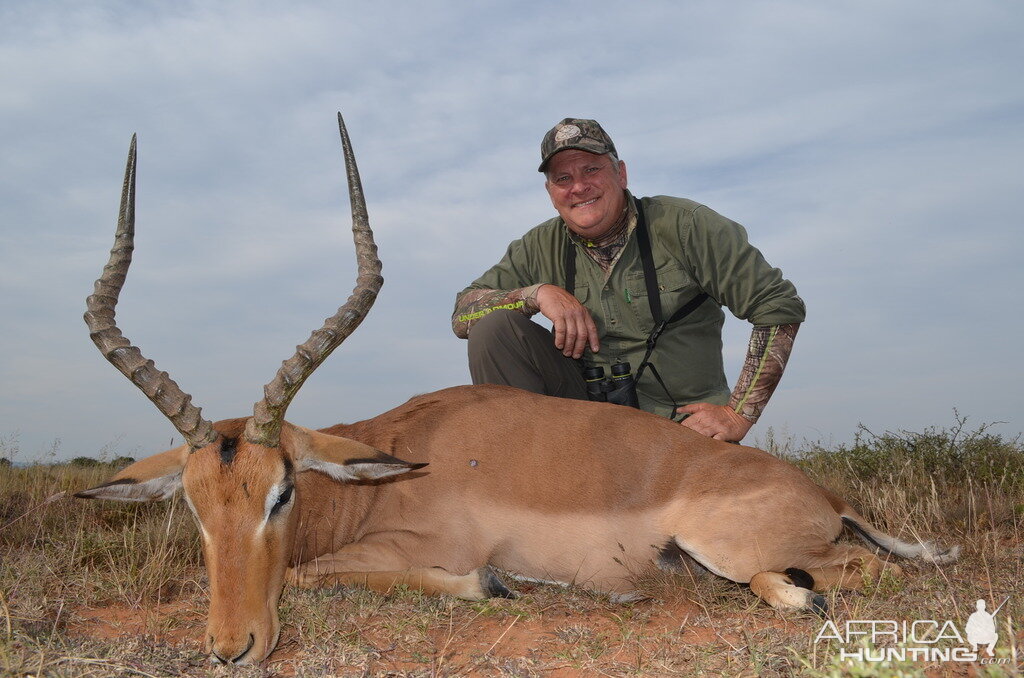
column 858, row 568
column 379, row 568
column 852, row 567
column 789, row 590
column 478, row 584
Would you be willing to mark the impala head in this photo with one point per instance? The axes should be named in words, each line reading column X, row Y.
column 238, row 475
column 242, row 495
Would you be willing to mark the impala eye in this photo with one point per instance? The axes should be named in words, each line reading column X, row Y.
column 282, row 499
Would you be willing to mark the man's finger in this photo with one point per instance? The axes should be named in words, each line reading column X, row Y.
column 694, row 423
column 582, row 336
column 559, row 325
column 571, row 334
column 595, row 343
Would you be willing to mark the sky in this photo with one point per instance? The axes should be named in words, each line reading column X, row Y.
column 873, row 151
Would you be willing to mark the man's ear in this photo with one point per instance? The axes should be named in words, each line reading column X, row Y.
column 150, row 479
column 343, row 459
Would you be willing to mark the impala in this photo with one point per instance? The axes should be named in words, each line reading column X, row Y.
column 489, row 477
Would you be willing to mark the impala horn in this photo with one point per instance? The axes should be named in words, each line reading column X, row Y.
column 175, row 404
column 264, row 428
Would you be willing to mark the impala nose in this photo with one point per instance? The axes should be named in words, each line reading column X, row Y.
column 227, row 653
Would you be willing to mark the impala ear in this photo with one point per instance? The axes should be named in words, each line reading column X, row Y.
column 344, row 459
column 150, row 479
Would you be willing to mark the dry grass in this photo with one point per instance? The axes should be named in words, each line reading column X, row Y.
column 101, row 589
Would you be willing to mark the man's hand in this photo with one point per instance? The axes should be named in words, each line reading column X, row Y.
column 574, row 328
column 715, row 421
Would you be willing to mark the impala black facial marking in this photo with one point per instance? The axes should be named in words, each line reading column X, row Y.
column 228, row 449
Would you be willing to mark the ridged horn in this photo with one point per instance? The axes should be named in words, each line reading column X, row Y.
column 264, row 428
column 175, row 404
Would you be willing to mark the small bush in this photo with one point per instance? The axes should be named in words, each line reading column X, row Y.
column 85, row 462
column 945, row 454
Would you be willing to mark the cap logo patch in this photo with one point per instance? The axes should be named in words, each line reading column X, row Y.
column 567, row 132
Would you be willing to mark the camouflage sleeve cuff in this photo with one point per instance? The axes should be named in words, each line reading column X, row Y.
column 767, row 354
column 475, row 304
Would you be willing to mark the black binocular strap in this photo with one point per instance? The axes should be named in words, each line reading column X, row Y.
column 643, row 240
column 570, row 266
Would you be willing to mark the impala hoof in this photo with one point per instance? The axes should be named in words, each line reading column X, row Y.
column 492, row 586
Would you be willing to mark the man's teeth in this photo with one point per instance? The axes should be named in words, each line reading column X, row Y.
column 584, row 204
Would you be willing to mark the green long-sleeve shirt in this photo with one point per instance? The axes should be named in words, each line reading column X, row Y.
column 695, row 249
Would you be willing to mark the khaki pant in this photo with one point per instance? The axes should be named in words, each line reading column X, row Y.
column 508, row 348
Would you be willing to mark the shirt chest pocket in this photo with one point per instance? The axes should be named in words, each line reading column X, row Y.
column 675, row 288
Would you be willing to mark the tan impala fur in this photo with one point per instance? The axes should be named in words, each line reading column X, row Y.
column 436, row 492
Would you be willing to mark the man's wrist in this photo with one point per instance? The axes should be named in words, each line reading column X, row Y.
column 751, row 412
column 529, row 297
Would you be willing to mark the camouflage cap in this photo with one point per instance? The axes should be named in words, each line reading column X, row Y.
column 586, row 135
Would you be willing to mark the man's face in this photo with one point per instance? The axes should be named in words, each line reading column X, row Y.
column 586, row 190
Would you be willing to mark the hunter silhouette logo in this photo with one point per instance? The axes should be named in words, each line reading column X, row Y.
column 876, row 640
column 981, row 627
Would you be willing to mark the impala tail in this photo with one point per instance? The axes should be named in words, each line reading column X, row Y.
column 920, row 550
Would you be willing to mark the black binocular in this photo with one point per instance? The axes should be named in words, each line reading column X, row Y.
column 620, row 388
